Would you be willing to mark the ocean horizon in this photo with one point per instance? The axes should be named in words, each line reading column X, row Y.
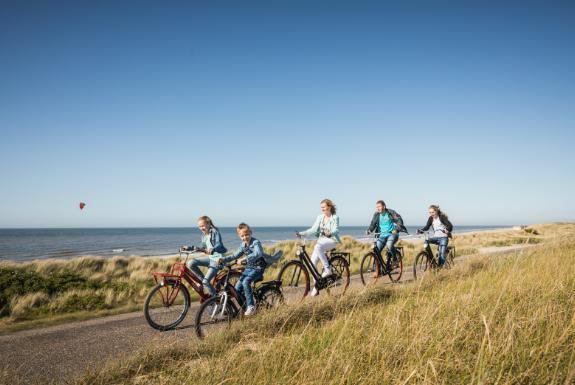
column 25, row 244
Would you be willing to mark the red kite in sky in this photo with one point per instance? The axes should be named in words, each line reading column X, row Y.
column 82, row 204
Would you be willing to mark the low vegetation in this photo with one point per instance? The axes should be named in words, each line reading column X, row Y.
column 506, row 319
column 48, row 291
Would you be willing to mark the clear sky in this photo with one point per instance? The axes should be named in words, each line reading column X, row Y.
column 154, row 113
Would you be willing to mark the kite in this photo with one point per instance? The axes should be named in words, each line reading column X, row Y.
column 82, row 204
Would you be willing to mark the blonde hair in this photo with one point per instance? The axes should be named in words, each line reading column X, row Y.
column 329, row 204
column 208, row 220
column 244, row 226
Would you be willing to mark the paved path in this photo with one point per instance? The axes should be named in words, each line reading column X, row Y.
column 59, row 353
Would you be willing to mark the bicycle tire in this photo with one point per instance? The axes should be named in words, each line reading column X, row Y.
column 295, row 282
column 340, row 269
column 211, row 312
column 395, row 273
column 370, row 269
column 154, row 318
column 422, row 264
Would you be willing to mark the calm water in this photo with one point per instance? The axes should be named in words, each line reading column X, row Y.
column 27, row 244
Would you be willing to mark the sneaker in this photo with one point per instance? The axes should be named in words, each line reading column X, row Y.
column 251, row 310
column 314, row 292
column 326, row 272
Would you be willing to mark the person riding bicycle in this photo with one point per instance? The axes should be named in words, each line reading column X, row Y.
column 256, row 262
column 214, row 249
column 442, row 229
column 388, row 223
column 326, row 229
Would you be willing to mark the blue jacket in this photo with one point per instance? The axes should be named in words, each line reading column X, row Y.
column 215, row 240
column 253, row 252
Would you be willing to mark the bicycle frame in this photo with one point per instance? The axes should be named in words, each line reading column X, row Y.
column 433, row 257
column 178, row 272
column 377, row 252
column 304, row 258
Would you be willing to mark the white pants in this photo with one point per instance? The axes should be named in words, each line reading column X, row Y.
column 322, row 246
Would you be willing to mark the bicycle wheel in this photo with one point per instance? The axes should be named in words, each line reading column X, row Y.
column 340, row 276
column 232, row 280
column 295, row 282
column 422, row 264
column 167, row 305
column 270, row 297
column 396, row 268
column 450, row 260
column 369, row 270
column 215, row 313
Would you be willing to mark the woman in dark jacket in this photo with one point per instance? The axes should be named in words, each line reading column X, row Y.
column 442, row 228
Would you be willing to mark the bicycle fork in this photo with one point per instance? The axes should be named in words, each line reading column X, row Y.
column 223, row 303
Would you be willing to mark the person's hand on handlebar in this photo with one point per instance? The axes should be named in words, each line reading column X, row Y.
column 419, row 231
column 298, row 234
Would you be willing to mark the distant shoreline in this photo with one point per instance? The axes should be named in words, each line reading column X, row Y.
column 412, row 238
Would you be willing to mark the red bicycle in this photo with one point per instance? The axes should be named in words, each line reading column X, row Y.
column 168, row 302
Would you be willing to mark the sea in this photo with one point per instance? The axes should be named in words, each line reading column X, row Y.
column 30, row 244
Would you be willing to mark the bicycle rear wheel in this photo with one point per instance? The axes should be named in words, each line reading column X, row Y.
column 450, row 260
column 215, row 313
column 396, row 268
column 270, row 297
column 340, row 276
column 167, row 305
column 422, row 264
column 369, row 270
column 294, row 279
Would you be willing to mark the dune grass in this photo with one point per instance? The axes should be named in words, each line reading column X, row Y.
column 507, row 319
column 53, row 291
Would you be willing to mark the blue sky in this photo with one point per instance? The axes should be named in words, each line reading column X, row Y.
column 154, row 114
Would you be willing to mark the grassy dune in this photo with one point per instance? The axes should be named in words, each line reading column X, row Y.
column 503, row 319
column 51, row 291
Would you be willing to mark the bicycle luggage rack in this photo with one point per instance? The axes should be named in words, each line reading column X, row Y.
column 176, row 272
column 344, row 254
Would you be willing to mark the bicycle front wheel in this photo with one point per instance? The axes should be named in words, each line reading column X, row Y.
column 422, row 264
column 370, row 269
column 340, row 270
column 215, row 313
column 167, row 305
column 294, row 279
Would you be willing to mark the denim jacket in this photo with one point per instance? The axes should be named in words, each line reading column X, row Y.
column 253, row 252
column 332, row 225
column 215, row 240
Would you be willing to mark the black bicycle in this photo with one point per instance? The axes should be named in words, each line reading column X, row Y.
column 294, row 275
column 230, row 304
column 372, row 265
column 426, row 260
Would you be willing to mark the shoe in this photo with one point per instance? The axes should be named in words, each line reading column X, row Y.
column 314, row 292
column 251, row 310
column 326, row 272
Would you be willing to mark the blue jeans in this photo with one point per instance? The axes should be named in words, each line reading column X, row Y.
column 442, row 242
column 210, row 274
column 389, row 239
column 244, row 285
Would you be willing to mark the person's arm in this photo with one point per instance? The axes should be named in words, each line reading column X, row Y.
column 447, row 224
column 218, row 245
column 334, row 227
column 427, row 226
column 257, row 253
column 239, row 252
column 313, row 229
column 373, row 225
column 397, row 221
